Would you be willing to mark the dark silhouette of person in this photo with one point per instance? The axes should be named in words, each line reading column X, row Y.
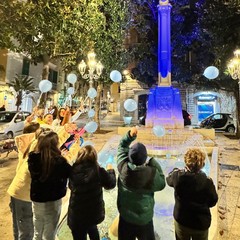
column 2, row 108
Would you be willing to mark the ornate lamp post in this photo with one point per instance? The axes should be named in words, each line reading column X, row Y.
column 94, row 68
column 234, row 66
column 234, row 70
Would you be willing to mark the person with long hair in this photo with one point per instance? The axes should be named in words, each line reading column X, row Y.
column 54, row 112
column 49, row 172
column 58, row 121
column 47, row 120
column 19, row 189
column 65, row 116
column 86, row 205
column 194, row 194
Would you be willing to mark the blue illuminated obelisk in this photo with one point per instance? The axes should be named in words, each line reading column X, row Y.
column 164, row 44
column 164, row 102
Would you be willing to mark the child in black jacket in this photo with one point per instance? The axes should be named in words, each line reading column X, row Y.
column 49, row 173
column 194, row 194
column 86, row 205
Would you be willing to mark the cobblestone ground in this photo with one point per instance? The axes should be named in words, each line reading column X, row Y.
column 229, row 189
column 7, row 172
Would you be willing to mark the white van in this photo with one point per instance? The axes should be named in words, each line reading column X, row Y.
column 12, row 123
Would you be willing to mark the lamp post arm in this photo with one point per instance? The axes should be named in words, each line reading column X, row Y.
column 85, row 76
column 94, row 71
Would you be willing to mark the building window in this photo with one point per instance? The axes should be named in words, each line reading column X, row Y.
column 25, row 67
column 53, row 76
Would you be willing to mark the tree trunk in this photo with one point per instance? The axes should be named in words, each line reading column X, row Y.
column 45, row 74
column 98, row 106
column 45, row 71
column 18, row 100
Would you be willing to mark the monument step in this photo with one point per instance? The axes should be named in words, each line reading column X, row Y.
column 174, row 141
column 145, row 132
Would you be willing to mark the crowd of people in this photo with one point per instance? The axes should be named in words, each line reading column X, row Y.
column 46, row 169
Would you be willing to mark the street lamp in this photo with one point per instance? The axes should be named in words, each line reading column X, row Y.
column 94, row 68
column 234, row 70
column 234, row 67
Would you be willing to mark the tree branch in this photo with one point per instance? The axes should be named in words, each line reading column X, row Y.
column 62, row 55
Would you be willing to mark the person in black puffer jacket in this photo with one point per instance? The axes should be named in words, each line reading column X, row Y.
column 194, row 194
column 86, row 206
column 49, row 173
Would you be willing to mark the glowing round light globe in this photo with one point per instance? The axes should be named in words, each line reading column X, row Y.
column 116, row 76
column 130, row 105
column 91, row 113
column 158, row 130
column 70, row 90
column 72, row 78
column 45, row 86
column 92, row 93
column 91, row 127
column 211, row 72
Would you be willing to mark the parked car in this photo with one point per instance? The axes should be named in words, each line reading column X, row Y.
column 142, row 119
column 219, row 121
column 187, row 118
column 12, row 123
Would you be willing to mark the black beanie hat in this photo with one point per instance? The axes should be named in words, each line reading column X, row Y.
column 137, row 154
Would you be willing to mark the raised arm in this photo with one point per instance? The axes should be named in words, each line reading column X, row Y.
column 108, row 177
column 123, row 147
column 78, row 113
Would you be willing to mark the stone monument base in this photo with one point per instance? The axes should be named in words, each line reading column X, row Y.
column 164, row 108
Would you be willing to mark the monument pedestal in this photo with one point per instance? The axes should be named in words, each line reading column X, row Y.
column 164, row 108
